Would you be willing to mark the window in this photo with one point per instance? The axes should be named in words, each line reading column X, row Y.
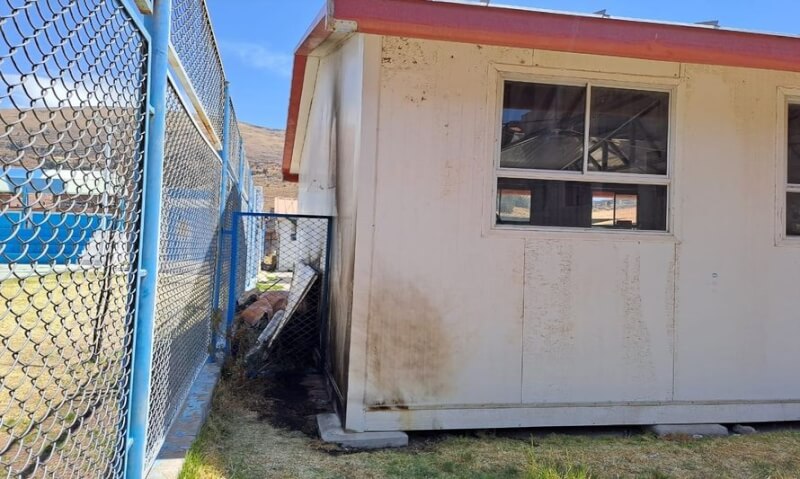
column 584, row 157
column 793, row 173
column 581, row 204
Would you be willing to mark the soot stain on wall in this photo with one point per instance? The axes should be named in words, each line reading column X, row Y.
column 409, row 348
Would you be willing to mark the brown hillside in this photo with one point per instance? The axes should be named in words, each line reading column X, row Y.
column 264, row 149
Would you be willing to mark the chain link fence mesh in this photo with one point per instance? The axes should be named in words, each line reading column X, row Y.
column 234, row 144
column 72, row 118
column 232, row 204
column 254, row 238
column 192, row 36
column 187, row 260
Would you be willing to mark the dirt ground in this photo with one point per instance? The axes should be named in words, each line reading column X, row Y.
column 265, row 428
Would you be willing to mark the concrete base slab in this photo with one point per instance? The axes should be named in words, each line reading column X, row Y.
column 694, row 430
column 187, row 426
column 331, row 431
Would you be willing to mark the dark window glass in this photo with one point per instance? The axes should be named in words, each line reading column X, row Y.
column 543, row 126
column 581, row 205
column 793, row 214
column 794, row 144
column 629, row 131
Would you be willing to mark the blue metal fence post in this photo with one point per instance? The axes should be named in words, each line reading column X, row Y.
column 232, row 278
column 241, row 174
column 252, row 193
column 224, row 155
column 144, row 319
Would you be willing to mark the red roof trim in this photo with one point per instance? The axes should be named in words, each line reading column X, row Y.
column 298, row 77
column 314, row 38
column 570, row 33
column 559, row 32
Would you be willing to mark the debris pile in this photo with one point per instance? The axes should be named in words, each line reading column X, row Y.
column 279, row 328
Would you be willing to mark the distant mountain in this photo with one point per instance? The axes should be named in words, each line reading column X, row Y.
column 264, row 149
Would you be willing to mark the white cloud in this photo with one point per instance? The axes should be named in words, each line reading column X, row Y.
column 38, row 91
column 260, row 57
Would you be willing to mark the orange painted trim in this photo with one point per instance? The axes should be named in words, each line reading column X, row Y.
column 571, row 33
column 318, row 33
column 298, row 77
column 556, row 32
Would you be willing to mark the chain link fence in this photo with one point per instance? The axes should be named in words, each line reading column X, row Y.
column 75, row 97
column 193, row 40
column 232, row 205
column 72, row 116
column 235, row 144
column 189, row 228
column 255, row 233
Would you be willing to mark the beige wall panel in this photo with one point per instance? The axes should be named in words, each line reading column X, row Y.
column 594, row 63
column 349, row 107
column 738, row 305
column 598, row 321
column 445, row 312
column 465, row 322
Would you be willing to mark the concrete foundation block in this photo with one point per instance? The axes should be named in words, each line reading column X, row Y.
column 331, row 431
column 743, row 430
column 694, row 430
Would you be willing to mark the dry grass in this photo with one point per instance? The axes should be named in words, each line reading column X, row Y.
column 47, row 332
column 58, row 384
column 238, row 442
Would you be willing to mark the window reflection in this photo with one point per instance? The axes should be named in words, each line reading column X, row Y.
column 629, row 131
column 794, row 144
column 793, row 214
column 614, row 210
column 514, row 205
column 543, row 127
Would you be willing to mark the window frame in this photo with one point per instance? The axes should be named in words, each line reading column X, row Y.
column 786, row 98
column 581, row 79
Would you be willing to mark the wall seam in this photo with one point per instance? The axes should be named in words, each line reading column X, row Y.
column 522, row 318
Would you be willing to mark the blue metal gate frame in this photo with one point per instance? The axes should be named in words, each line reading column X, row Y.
column 233, row 295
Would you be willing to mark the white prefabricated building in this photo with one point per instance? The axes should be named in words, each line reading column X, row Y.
column 548, row 219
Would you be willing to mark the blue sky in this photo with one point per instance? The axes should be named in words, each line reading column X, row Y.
column 258, row 37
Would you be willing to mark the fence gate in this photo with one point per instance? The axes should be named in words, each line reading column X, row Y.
column 285, row 259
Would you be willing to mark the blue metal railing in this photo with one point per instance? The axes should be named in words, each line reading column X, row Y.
column 158, row 25
column 225, row 155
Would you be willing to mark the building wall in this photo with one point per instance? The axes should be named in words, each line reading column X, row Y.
column 467, row 326
column 327, row 185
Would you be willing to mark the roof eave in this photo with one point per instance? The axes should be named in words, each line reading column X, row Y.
column 509, row 27
column 316, row 36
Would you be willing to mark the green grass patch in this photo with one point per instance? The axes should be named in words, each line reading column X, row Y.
column 274, row 282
